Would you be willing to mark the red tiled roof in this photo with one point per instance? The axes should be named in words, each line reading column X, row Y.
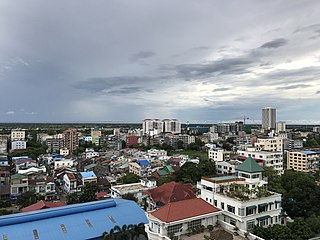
column 101, row 195
column 183, row 210
column 171, row 192
column 42, row 205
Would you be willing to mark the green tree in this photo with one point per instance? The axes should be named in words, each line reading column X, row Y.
column 180, row 144
column 28, row 198
column 131, row 178
column 72, row 198
column 300, row 229
column 274, row 180
column 297, row 202
column 129, row 196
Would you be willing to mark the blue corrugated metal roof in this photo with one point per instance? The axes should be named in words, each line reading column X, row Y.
column 308, row 152
column 88, row 174
column 80, row 221
column 143, row 162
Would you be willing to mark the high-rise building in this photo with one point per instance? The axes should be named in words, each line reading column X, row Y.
column 281, row 126
column 71, row 139
column 268, row 118
column 171, row 126
column 152, row 126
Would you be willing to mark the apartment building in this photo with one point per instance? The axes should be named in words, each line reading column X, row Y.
column 18, row 145
column 243, row 198
column 274, row 144
column 17, row 134
column 304, row 161
column 71, row 139
column 268, row 118
column 269, row 159
column 54, row 144
column 152, row 126
column 171, row 126
column 218, row 154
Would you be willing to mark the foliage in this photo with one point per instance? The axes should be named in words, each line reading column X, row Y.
column 298, row 230
column 297, row 202
column 129, row 196
column 191, row 172
column 28, row 198
column 88, row 194
column 132, row 231
column 163, row 180
column 130, row 178
column 4, row 211
column 274, row 180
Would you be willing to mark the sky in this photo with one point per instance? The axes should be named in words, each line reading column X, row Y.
column 122, row 61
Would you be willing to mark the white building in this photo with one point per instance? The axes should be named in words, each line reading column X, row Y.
column 227, row 167
column 70, row 183
column 152, row 126
column 156, row 153
column 178, row 218
column 18, row 145
column 90, row 153
column 63, row 163
column 18, row 134
column 88, row 177
column 137, row 189
column 244, row 197
column 269, row 159
column 268, row 118
column 281, row 126
column 218, row 154
column 274, row 144
column 171, row 126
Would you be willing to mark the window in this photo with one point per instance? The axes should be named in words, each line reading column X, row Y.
column 194, row 224
column 250, row 225
column 263, row 222
column 232, row 222
column 174, row 229
column 241, row 211
column 251, row 210
column 215, row 203
column 231, row 209
column 222, row 205
column 263, row 207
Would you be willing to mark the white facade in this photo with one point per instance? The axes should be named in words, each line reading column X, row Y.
column 281, row 126
column 18, row 135
column 268, row 118
column 270, row 159
column 274, row 144
column 244, row 200
column 63, row 163
column 90, row 153
column 227, row 167
column 19, row 144
column 218, row 154
column 154, row 126
column 172, row 126
column 137, row 189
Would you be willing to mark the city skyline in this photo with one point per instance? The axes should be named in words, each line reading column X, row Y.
column 103, row 61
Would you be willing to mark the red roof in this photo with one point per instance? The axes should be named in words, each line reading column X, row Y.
column 101, row 195
column 171, row 192
column 183, row 210
column 42, row 205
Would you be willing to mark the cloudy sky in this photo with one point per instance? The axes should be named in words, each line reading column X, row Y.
column 123, row 61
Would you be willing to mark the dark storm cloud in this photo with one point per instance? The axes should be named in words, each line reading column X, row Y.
column 221, row 89
column 115, row 85
column 228, row 66
column 293, row 86
column 141, row 56
column 276, row 43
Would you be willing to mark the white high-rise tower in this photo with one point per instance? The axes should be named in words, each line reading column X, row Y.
column 268, row 118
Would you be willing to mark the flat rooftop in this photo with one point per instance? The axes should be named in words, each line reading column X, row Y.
column 130, row 187
column 224, row 178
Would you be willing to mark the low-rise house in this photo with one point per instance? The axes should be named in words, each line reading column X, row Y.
column 90, row 153
column 177, row 218
column 19, row 184
column 63, row 163
column 4, row 182
column 137, row 189
column 42, row 184
column 227, row 167
column 142, row 168
column 42, row 205
column 71, row 183
column 88, row 177
column 33, row 170
column 168, row 192
column 243, row 198
column 25, row 163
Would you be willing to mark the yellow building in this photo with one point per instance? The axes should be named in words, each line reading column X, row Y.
column 303, row 161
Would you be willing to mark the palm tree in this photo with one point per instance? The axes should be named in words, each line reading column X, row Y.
column 117, row 231
column 141, row 230
column 124, row 232
column 133, row 230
